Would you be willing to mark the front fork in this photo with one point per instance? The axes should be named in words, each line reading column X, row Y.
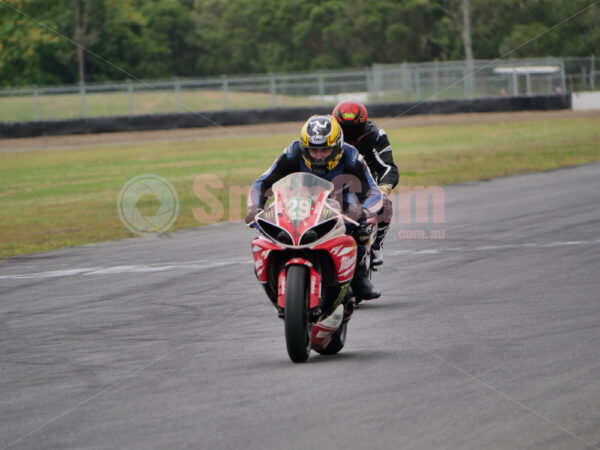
column 314, row 283
column 315, row 293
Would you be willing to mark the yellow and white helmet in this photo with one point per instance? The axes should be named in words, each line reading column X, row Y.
column 321, row 132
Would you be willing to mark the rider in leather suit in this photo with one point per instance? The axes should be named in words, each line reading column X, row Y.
column 321, row 150
column 373, row 144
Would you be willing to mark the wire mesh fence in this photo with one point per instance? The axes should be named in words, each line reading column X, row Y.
column 381, row 83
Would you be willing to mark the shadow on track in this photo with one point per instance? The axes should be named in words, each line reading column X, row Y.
column 362, row 356
column 344, row 356
column 370, row 305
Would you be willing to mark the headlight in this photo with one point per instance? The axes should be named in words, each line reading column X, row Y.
column 317, row 232
column 274, row 232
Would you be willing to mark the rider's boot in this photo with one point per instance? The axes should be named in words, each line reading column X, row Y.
column 377, row 256
column 361, row 285
column 377, row 248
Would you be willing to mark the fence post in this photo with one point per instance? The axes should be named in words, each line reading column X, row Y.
column 369, row 84
column 436, row 80
column 417, row 84
column 321, row 81
column 563, row 78
column 468, row 81
column 178, row 93
column 36, row 103
column 528, row 84
column 82, row 93
column 405, row 80
column 130, row 95
column 377, row 78
column 225, row 92
column 273, row 85
column 593, row 73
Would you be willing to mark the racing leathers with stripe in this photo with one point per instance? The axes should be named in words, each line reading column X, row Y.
column 375, row 147
column 351, row 170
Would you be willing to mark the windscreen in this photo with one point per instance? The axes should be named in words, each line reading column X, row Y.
column 299, row 191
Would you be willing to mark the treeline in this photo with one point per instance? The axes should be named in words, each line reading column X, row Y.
column 166, row 38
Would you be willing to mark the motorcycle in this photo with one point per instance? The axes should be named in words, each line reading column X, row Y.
column 305, row 262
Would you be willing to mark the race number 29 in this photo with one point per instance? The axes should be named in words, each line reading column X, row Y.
column 298, row 208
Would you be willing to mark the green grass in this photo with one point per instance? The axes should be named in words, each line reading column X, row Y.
column 60, row 198
column 22, row 108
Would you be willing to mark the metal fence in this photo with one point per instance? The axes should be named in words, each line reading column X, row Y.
column 381, row 83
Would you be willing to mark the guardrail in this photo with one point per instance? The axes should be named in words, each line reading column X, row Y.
column 271, row 115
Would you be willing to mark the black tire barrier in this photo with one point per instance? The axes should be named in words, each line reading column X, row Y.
column 271, row 115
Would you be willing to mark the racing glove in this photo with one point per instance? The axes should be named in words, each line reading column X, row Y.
column 357, row 213
column 386, row 189
column 251, row 214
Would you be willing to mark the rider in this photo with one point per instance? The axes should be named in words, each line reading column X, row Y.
column 373, row 144
column 321, row 150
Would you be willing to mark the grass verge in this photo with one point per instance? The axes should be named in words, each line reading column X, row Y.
column 66, row 106
column 60, row 198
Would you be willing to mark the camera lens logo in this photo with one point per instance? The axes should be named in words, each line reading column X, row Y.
column 156, row 190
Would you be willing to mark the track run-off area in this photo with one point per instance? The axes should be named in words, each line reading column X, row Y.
column 77, row 141
column 486, row 339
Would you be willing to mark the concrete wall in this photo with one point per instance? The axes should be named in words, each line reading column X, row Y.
column 249, row 117
column 585, row 101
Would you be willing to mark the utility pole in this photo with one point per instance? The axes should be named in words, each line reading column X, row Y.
column 467, row 44
column 81, row 25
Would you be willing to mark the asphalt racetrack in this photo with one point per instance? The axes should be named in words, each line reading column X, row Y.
column 487, row 339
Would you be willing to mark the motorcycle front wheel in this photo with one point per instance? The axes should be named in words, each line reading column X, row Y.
column 298, row 328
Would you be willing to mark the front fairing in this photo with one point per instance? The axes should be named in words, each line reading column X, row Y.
column 301, row 213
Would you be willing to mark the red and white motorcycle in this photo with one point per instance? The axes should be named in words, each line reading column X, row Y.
column 305, row 261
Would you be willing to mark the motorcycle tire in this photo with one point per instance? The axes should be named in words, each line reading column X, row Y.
column 298, row 328
column 337, row 341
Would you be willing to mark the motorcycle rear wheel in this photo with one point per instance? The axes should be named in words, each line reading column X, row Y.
column 298, row 328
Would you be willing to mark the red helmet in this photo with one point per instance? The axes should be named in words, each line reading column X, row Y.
column 352, row 116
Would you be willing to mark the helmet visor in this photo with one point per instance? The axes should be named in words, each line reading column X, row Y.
column 320, row 153
column 353, row 131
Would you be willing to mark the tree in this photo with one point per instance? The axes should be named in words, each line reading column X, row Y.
column 82, row 18
column 551, row 28
column 166, row 38
column 169, row 34
column 25, row 42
